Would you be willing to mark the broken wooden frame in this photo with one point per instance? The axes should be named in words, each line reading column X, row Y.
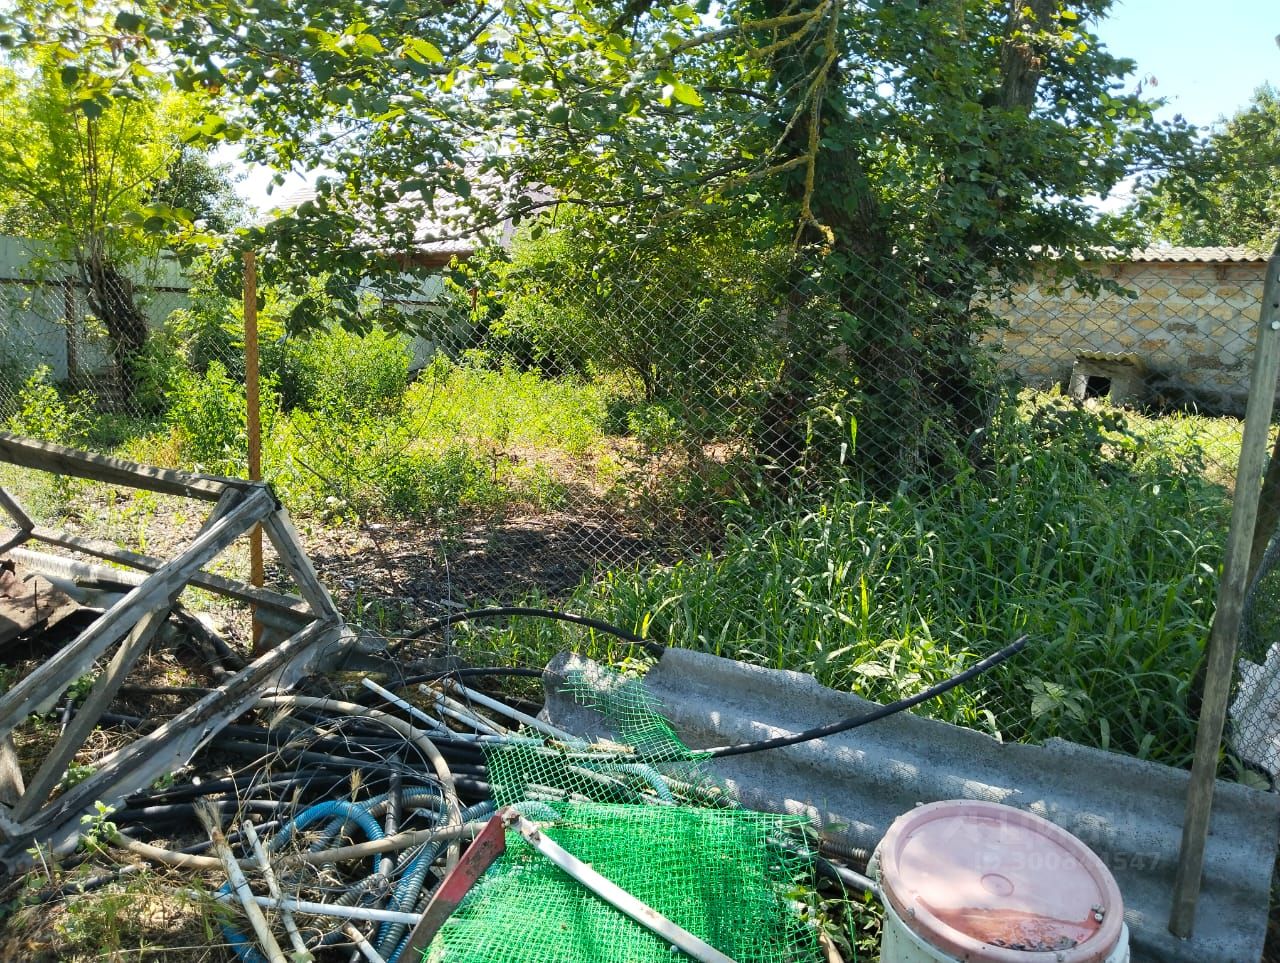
column 314, row 630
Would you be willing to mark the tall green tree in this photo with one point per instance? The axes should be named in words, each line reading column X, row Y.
column 1226, row 191
column 93, row 173
column 920, row 155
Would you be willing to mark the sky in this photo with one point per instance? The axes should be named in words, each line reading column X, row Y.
column 1206, row 57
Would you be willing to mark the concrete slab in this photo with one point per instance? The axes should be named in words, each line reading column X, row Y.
column 852, row 786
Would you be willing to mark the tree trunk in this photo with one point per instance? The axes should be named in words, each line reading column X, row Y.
column 111, row 300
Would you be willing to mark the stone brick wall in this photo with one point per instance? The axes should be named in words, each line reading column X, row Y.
column 1192, row 325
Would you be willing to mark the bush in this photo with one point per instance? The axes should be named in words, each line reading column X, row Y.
column 208, row 414
column 43, row 411
column 337, row 371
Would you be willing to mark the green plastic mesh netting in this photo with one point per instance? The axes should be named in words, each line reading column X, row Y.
column 646, row 761
column 641, row 810
column 723, row 875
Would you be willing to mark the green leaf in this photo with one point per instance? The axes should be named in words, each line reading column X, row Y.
column 675, row 89
column 91, row 107
column 69, row 75
column 127, row 21
column 686, row 94
column 423, row 51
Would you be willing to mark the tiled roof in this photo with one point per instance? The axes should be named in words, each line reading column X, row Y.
column 1202, row 255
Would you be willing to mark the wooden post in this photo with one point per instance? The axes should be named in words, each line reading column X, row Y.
column 70, row 318
column 1226, row 618
column 252, row 423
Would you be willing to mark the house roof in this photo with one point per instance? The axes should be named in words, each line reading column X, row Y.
column 1199, row 255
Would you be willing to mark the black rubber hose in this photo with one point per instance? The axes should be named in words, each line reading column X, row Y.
column 881, row 712
column 185, row 812
column 240, row 785
column 498, row 612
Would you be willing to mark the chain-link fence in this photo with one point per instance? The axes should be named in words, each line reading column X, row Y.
column 864, row 468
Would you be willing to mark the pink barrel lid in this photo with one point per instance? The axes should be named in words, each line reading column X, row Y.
column 990, row 883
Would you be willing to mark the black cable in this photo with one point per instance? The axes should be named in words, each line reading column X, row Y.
column 653, row 648
column 881, row 712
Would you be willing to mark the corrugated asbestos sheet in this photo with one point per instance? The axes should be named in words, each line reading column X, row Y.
column 855, row 784
column 1200, row 255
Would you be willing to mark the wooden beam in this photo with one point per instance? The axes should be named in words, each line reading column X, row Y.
column 140, row 763
column 50, row 678
column 288, row 545
column 98, row 701
column 16, row 537
column 42, row 455
column 287, row 605
column 15, row 511
column 223, row 505
column 1224, row 633
column 11, row 788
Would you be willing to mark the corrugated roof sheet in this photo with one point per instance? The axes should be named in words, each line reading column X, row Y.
column 1203, row 255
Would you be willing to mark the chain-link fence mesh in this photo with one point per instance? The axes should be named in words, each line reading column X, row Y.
column 872, row 470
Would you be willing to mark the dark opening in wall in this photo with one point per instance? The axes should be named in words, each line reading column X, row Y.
column 1097, row 387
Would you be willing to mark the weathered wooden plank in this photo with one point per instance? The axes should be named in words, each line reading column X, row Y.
column 95, row 704
column 170, row 746
column 16, row 511
column 42, row 455
column 288, row 545
column 224, row 504
column 11, row 788
column 1224, row 633
column 287, row 605
column 16, row 537
column 52, row 677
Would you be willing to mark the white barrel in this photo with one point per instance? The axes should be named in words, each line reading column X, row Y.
column 983, row 883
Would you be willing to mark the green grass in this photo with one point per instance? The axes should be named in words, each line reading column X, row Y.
column 511, row 408
column 1100, row 545
column 461, row 439
column 1096, row 532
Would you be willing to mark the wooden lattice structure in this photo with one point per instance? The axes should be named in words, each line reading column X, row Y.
column 312, row 629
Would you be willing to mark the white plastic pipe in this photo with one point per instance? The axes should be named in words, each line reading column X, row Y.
column 432, row 724
column 239, row 884
column 300, row 952
column 363, row 945
column 615, row 895
column 464, row 714
column 364, row 913
column 524, row 719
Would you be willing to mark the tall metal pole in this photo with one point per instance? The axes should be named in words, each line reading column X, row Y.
column 1226, row 618
column 253, row 424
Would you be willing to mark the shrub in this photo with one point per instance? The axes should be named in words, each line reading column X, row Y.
column 1102, row 550
column 338, row 371
column 208, row 413
column 43, row 411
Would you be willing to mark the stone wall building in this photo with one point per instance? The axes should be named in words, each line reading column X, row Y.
column 1186, row 322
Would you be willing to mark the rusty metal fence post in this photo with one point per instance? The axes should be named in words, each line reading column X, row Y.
column 253, row 424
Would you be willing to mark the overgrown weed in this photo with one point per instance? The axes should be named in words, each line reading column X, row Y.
column 1082, row 533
